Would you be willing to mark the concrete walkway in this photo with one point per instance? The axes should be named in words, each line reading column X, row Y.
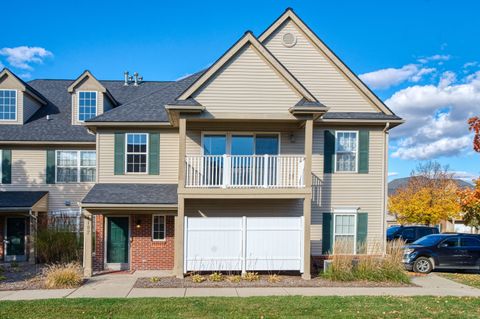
column 121, row 286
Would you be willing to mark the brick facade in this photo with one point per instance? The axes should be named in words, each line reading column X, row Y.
column 145, row 253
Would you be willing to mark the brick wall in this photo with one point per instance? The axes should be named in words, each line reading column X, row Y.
column 146, row 254
column 99, row 243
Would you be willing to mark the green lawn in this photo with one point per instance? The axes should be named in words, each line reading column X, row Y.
column 466, row 279
column 254, row 307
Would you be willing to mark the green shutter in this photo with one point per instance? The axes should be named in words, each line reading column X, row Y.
column 119, row 154
column 154, row 154
column 327, row 234
column 363, row 145
column 328, row 151
column 50, row 169
column 6, row 166
column 362, row 232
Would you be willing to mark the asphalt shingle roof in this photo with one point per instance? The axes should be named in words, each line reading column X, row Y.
column 132, row 194
column 14, row 199
column 359, row 116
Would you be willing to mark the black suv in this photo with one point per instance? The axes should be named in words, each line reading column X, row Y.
column 409, row 234
column 443, row 251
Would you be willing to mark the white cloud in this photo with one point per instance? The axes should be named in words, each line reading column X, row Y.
column 392, row 173
column 436, row 57
column 385, row 78
column 470, row 64
column 21, row 57
column 466, row 176
column 435, row 117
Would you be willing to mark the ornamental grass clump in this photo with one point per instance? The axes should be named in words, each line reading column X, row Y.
column 60, row 276
column 375, row 266
column 216, row 277
column 234, row 278
column 251, row 276
column 197, row 278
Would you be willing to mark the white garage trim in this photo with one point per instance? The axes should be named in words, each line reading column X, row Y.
column 243, row 244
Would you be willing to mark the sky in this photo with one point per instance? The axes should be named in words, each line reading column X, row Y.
column 422, row 57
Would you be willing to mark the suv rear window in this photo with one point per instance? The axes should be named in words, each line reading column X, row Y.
column 424, row 231
column 469, row 242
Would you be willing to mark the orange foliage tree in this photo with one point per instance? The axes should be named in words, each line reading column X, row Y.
column 474, row 125
column 470, row 204
column 429, row 197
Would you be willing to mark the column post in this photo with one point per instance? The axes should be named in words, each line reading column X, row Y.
column 33, row 224
column 179, row 238
column 307, row 202
column 87, row 243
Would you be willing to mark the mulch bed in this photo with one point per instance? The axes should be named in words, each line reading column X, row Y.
column 20, row 277
column 285, row 281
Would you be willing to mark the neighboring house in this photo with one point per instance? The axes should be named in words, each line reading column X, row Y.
column 260, row 162
column 452, row 225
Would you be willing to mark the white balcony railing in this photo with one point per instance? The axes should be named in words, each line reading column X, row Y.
column 244, row 171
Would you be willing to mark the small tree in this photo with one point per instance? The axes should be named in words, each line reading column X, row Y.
column 429, row 197
column 470, row 204
column 474, row 125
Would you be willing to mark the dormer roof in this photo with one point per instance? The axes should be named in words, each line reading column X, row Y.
column 88, row 75
column 24, row 86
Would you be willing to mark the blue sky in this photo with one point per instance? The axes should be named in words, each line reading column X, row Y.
column 420, row 57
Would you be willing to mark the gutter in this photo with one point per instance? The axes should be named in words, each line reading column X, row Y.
column 385, row 186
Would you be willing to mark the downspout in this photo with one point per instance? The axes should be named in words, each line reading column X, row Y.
column 385, row 187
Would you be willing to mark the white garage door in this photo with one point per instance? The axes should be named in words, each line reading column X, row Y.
column 243, row 243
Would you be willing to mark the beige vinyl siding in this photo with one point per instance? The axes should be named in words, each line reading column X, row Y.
column 107, row 104
column 340, row 190
column 316, row 72
column 247, row 84
column 88, row 84
column 243, row 207
column 28, row 174
column 30, row 106
column 169, row 148
column 9, row 83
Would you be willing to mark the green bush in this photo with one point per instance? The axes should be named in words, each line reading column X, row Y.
column 58, row 246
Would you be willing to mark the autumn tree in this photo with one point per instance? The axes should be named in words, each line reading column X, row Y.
column 470, row 205
column 474, row 125
column 429, row 197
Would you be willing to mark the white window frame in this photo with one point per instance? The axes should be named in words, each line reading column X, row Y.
column 146, row 153
column 164, row 225
column 79, row 166
column 356, row 152
column 346, row 212
column 78, row 103
column 16, row 106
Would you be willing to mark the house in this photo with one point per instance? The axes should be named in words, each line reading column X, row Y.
column 260, row 162
column 451, row 225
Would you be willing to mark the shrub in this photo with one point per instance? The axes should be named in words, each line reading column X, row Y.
column 198, row 278
column 63, row 276
column 234, row 278
column 2, row 278
column 216, row 276
column 375, row 267
column 273, row 278
column 251, row 276
column 154, row 279
column 58, row 247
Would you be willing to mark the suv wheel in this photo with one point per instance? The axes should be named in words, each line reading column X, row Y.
column 422, row 265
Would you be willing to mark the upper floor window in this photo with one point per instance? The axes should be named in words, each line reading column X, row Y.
column 346, row 151
column 76, row 166
column 87, row 105
column 8, row 105
column 137, row 152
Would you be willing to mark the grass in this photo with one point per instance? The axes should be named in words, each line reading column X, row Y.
column 253, row 307
column 466, row 279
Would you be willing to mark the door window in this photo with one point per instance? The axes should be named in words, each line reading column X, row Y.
column 469, row 242
column 450, row 242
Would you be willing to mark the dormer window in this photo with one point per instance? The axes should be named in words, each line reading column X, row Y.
column 87, row 105
column 8, row 105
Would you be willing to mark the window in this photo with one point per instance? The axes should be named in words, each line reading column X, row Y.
column 87, row 105
column 346, row 147
column 408, row 234
column 469, row 242
column 137, row 152
column 344, row 230
column 158, row 227
column 450, row 242
column 8, row 105
column 76, row 166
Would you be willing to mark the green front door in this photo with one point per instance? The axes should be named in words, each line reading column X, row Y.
column 15, row 238
column 117, row 240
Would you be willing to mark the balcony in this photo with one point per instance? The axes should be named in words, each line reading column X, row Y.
column 244, row 171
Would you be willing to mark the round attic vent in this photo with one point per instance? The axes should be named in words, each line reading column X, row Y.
column 289, row 39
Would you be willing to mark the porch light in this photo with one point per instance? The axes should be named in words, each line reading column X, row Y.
column 292, row 137
column 138, row 223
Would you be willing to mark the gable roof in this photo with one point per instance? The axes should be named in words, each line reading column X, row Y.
column 289, row 14
column 247, row 38
column 25, row 87
column 88, row 74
